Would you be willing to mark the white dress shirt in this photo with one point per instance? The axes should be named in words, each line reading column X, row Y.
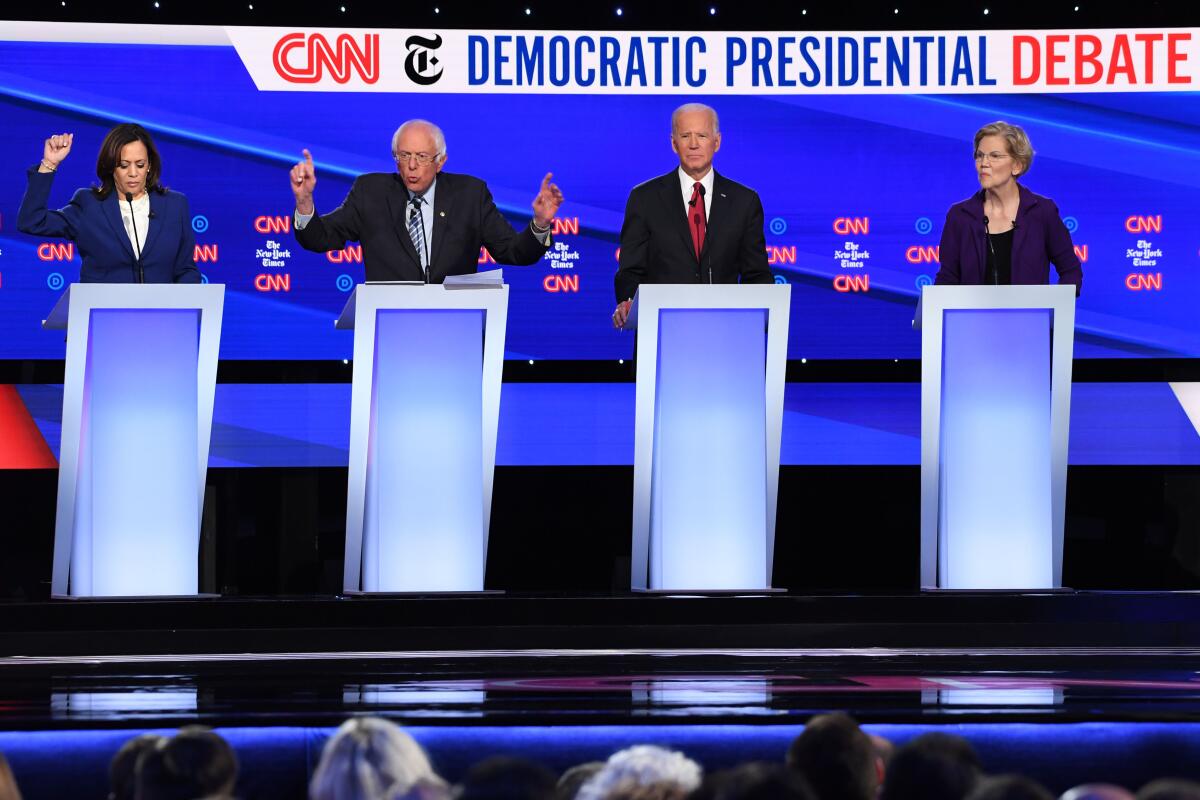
column 687, row 184
column 140, row 215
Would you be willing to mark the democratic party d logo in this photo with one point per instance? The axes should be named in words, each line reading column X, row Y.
column 421, row 66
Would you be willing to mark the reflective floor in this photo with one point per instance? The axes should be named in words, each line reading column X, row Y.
column 603, row 687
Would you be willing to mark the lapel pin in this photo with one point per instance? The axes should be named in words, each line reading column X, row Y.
column 441, row 213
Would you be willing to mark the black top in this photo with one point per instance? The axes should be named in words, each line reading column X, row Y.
column 999, row 257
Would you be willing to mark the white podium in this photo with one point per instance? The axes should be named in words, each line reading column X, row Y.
column 711, row 361
column 995, row 409
column 137, row 417
column 423, row 413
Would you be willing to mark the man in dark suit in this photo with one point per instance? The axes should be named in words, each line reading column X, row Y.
column 419, row 223
column 691, row 225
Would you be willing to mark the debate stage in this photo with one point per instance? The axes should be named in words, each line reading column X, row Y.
column 561, row 661
column 567, row 665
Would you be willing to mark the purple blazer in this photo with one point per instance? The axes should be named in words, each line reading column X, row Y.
column 1040, row 239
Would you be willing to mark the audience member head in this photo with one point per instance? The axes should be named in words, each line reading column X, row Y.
column 933, row 766
column 837, row 758
column 8, row 783
column 369, row 758
column 122, row 770
column 1097, row 791
column 575, row 777
column 755, row 781
column 196, row 762
column 643, row 772
column 1170, row 789
column 506, row 778
column 1010, row 787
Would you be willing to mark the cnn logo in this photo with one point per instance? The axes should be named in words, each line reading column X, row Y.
column 304, row 58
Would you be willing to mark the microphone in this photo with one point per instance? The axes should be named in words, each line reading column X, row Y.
column 992, row 249
column 141, row 273
column 152, row 214
column 414, row 210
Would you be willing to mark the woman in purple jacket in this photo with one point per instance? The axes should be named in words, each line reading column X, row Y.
column 1005, row 233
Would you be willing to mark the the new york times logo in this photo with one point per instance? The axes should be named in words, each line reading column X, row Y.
column 421, row 66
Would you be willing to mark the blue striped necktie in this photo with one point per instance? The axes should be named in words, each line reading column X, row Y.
column 416, row 231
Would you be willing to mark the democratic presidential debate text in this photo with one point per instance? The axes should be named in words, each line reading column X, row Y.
column 624, row 62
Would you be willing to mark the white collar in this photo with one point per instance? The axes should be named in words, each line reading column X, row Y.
column 427, row 195
column 687, row 182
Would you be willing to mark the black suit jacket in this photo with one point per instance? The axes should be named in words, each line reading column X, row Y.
column 656, row 243
column 464, row 218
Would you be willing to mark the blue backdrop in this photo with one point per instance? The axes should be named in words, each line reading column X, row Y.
column 1123, row 168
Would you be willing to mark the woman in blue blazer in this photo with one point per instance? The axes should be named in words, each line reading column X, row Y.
column 130, row 229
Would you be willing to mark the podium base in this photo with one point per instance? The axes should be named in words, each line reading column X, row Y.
column 125, row 597
column 709, row 592
column 430, row 593
column 940, row 590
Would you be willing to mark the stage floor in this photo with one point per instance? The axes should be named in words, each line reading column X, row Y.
column 533, row 660
column 603, row 687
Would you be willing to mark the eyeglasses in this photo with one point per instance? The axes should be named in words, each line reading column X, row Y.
column 991, row 158
column 404, row 157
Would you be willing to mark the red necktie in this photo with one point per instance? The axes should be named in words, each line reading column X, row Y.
column 696, row 218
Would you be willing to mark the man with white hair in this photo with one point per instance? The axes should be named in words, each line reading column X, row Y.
column 419, row 223
column 644, row 770
column 691, row 225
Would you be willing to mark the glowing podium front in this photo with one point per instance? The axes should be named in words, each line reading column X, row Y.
column 424, row 405
column 141, row 370
column 995, row 410
column 709, row 410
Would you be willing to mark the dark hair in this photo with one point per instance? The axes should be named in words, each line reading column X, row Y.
column 933, row 766
column 836, row 757
column 110, row 156
column 755, row 781
column 1169, row 789
column 196, row 762
column 508, row 778
column 122, row 770
column 575, row 777
column 1010, row 787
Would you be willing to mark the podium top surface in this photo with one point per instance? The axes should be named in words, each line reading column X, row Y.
column 773, row 297
column 204, row 297
column 935, row 299
column 375, row 296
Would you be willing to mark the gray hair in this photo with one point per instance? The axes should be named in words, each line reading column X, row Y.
column 1015, row 141
column 369, row 758
column 642, row 766
column 439, row 138
column 687, row 108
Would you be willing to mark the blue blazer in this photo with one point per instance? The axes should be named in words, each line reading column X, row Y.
column 96, row 228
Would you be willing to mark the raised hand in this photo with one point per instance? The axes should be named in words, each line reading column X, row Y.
column 546, row 204
column 56, row 149
column 304, row 180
